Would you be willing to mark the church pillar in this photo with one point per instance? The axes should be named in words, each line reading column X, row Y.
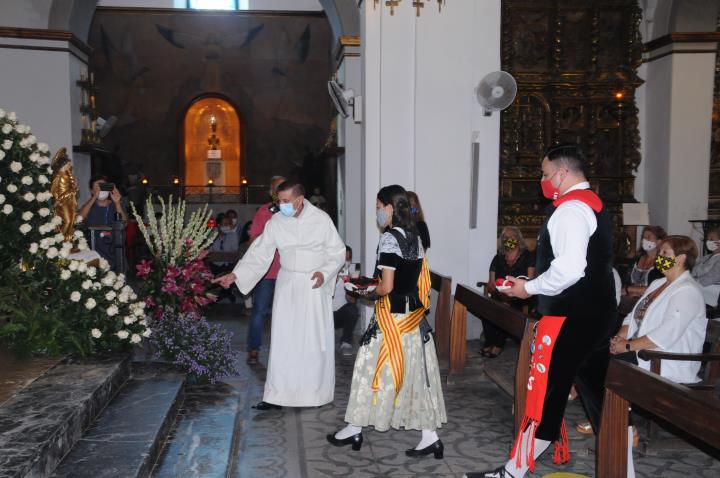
column 38, row 78
column 676, row 125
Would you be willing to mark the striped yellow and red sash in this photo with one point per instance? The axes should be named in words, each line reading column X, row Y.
column 391, row 350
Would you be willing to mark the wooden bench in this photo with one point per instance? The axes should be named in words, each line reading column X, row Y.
column 685, row 409
column 443, row 286
column 510, row 320
column 710, row 370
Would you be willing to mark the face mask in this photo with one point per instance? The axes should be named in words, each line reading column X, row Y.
column 103, row 195
column 712, row 246
column 287, row 209
column 225, row 229
column 509, row 244
column 382, row 217
column 413, row 211
column 664, row 264
column 234, row 222
column 549, row 191
column 648, row 245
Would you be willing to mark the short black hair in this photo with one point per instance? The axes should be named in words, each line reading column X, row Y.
column 348, row 249
column 568, row 155
column 97, row 177
column 289, row 184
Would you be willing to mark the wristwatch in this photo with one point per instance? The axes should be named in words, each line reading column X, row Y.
column 627, row 345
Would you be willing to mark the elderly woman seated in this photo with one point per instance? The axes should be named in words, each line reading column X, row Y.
column 670, row 315
column 707, row 269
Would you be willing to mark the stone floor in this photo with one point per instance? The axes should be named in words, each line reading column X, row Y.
column 291, row 442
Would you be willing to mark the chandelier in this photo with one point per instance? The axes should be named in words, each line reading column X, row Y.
column 418, row 4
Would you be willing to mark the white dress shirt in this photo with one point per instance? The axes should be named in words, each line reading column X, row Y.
column 570, row 228
column 675, row 322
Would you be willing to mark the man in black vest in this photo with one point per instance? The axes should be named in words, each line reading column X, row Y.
column 575, row 292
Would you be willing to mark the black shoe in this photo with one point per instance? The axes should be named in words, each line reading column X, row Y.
column 355, row 440
column 266, row 406
column 496, row 473
column 437, row 448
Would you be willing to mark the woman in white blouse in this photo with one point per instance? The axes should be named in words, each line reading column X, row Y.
column 670, row 315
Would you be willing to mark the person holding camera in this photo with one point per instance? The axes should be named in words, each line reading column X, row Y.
column 102, row 209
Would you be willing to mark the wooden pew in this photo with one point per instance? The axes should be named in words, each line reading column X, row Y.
column 687, row 410
column 443, row 286
column 510, row 320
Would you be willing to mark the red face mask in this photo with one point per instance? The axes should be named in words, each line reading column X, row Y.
column 549, row 191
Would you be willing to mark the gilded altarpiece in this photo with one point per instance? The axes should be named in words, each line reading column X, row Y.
column 714, row 196
column 575, row 64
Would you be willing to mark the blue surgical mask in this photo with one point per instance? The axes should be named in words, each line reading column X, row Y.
column 287, row 209
column 382, row 217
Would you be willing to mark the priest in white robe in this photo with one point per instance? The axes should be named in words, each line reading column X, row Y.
column 301, row 368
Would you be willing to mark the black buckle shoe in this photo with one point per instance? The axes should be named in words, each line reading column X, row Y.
column 437, row 448
column 266, row 406
column 356, row 441
column 499, row 472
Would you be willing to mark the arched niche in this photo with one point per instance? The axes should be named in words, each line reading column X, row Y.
column 212, row 151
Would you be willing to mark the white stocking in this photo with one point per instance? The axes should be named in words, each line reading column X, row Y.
column 630, row 464
column 540, row 446
column 347, row 432
column 428, row 438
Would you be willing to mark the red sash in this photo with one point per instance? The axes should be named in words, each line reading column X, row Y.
column 546, row 333
column 586, row 196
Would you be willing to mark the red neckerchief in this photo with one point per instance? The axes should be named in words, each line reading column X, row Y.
column 586, row 196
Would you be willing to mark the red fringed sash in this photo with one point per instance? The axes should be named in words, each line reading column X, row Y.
column 546, row 333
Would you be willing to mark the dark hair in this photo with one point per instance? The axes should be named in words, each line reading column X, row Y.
column 396, row 196
column 296, row 187
column 348, row 249
column 219, row 218
column 683, row 245
column 97, row 177
column 568, row 155
column 227, row 213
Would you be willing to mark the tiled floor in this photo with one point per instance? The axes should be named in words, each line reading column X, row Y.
column 291, row 442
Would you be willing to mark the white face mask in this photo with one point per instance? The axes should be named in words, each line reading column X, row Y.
column 226, row 229
column 648, row 245
column 712, row 246
column 103, row 195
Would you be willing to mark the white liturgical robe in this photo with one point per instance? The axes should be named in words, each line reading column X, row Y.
column 301, row 368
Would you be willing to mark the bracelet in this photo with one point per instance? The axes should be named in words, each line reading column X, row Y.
column 627, row 345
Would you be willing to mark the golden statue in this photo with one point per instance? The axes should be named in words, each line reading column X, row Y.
column 64, row 190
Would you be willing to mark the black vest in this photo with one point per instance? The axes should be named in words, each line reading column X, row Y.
column 405, row 296
column 593, row 296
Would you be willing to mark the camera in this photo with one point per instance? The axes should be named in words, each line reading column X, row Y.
column 107, row 186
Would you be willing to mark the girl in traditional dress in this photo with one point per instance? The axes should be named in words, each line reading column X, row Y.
column 396, row 379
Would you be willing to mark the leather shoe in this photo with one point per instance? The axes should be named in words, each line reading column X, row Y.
column 437, row 448
column 356, row 441
column 252, row 358
column 499, row 472
column 266, row 406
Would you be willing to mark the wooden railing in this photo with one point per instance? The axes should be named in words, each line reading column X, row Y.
column 443, row 286
column 508, row 319
column 685, row 409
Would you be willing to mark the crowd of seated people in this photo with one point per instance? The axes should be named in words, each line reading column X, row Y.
column 707, row 269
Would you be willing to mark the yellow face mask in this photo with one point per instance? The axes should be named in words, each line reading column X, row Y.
column 509, row 244
column 664, row 263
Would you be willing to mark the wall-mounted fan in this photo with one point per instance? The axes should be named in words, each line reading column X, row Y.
column 345, row 101
column 496, row 91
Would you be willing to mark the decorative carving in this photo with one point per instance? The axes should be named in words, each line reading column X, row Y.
column 714, row 194
column 570, row 59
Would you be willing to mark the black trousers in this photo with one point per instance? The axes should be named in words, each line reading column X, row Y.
column 346, row 318
column 494, row 335
column 581, row 356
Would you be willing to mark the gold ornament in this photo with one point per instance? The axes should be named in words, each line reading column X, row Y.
column 64, row 190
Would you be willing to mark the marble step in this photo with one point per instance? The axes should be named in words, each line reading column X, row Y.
column 41, row 423
column 127, row 437
column 204, row 440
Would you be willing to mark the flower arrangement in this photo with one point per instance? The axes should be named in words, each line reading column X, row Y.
column 176, row 279
column 50, row 302
column 203, row 350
